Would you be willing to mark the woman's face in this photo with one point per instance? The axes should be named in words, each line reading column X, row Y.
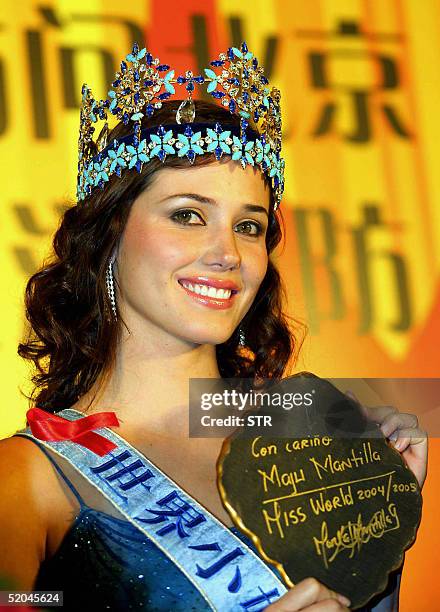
column 194, row 230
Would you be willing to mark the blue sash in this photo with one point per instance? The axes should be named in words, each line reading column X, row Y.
column 227, row 573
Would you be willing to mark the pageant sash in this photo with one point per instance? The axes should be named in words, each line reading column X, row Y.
column 227, row 573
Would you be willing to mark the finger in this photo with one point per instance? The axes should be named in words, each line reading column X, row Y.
column 379, row 413
column 305, row 593
column 410, row 437
column 413, row 446
column 352, row 396
column 398, row 421
column 364, row 409
column 373, row 413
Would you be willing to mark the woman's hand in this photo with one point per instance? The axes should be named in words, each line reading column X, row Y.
column 403, row 432
column 310, row 595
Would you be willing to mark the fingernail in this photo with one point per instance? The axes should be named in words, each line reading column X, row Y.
column 344, row 600
column 398, row 444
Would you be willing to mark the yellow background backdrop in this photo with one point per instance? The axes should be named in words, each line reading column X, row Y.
column 360, row 95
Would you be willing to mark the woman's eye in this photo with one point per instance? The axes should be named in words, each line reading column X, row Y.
column 183, row 216
column 249, row 225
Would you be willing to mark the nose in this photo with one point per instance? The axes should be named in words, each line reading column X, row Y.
column 222, row 250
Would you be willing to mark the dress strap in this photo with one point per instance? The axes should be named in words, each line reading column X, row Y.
column 59, row 470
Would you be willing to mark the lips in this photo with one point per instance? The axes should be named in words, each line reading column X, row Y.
column 217, row 303
column 211, row 282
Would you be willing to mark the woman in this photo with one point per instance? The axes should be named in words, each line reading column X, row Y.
column 123, row 315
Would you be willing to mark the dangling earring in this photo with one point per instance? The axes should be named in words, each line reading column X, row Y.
column 110, row 286
column 242, row 337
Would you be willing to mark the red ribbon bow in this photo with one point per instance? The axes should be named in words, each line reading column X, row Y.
column 51, row 427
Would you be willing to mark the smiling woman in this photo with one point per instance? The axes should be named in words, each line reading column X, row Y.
column 155, row 278
column 154, row 213
column 160, row 273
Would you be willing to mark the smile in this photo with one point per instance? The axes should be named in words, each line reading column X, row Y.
column 212, row 292
column 208, row 295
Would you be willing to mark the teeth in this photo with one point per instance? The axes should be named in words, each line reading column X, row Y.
column 222, row 294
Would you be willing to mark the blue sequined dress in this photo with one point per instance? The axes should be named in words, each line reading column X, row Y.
column 105, row 563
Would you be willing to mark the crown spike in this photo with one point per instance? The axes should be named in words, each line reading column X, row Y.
column 235, row 79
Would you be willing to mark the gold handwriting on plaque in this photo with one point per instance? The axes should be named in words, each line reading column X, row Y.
column 353, row 536
column 340, row 508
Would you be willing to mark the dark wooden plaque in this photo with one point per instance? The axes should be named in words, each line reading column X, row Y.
column 325, row 495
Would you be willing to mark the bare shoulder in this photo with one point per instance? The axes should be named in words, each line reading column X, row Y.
column 20, row 446
column 27, row 476
column 23, row 512
column 23, row 459
column 24, row 468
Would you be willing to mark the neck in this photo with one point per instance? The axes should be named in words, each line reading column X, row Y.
column 149, row 386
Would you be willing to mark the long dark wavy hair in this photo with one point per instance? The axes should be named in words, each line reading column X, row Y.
column 72, row 336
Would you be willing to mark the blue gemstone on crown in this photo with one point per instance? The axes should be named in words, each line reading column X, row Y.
column 235, row 79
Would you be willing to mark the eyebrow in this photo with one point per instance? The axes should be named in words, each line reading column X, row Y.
column 205, row 200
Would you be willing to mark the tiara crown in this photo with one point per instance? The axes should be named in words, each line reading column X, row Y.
column 142, row 84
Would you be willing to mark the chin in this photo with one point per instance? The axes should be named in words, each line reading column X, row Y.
column 208, row 337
